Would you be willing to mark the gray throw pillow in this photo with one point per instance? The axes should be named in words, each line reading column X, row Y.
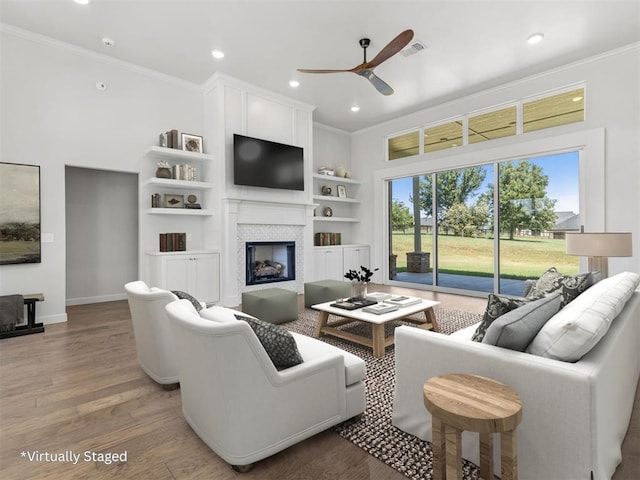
column 568, row 286
column 517, row 329
column 277, row 342
column 185, row 296
column 497, row 305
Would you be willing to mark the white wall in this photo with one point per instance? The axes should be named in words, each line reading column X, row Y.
column 612, row 101
column 52, row 115
column 331, row 147
column 101, row 233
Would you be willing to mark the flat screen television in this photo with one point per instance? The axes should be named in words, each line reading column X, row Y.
column 262, row 163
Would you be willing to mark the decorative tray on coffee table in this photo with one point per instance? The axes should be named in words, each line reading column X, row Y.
column 352, row 304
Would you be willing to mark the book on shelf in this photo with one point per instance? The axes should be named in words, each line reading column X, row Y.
column 184, row 172
column 173, row 242
column 378, row 296
column 324, row 239
column 380, row 308
column 403, row 300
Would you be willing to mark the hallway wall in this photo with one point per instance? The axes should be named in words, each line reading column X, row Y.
column 102, row 234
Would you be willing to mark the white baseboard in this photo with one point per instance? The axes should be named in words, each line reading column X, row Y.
column 49, row 319
column 100, row 299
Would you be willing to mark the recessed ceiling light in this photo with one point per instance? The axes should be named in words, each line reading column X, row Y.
column 535, row 38
column 101, row 85
column 107, row 42
column 576, row 99
column 294, row 83
column 217, row 54
column 355, row 108
column 82, row 2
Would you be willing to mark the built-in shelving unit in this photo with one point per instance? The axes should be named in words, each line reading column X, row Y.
column 343, row 206
column 193, row 222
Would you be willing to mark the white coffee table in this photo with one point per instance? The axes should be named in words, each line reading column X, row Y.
column 378, row 342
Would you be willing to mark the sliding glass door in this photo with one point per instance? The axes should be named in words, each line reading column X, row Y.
column 464, row 229
column 538, row 204
column 466, row 234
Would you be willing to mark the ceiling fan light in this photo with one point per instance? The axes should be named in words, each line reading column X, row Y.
column 535, row 38
column 294, row 83
column 355, row 108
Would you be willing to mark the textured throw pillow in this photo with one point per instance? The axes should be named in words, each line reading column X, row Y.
column 185, row 296
column 497, row 305
column 277, row 342
column 578, row 327
column 516, row 329
column 568, row 286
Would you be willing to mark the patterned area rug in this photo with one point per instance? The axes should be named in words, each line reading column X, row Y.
column 374, row 433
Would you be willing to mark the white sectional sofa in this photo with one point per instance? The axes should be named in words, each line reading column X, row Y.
column 575, row 414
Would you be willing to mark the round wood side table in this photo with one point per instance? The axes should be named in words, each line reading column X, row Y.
column 460, row 402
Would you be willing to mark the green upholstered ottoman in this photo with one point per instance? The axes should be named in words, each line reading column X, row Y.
column 273, row 305
column 324, row 291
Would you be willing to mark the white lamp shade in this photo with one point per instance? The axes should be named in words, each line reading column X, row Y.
column 599, row 244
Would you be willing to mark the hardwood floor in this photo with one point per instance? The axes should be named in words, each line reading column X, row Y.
column 78, row 388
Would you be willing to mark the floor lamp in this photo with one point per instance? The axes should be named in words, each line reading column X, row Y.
column 599, row 247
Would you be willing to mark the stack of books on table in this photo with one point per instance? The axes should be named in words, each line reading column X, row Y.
column 403, row 300
column 378, row 296
column 380, row 308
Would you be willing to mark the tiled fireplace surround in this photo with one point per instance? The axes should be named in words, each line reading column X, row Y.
column 258, row 221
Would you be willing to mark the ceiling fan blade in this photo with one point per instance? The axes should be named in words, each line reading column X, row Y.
column 305, row 70
column 376, row 81
column 393, row 47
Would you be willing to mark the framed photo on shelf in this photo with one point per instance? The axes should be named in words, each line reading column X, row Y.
column 191, row 143
column 342, row 191
column 173, row 201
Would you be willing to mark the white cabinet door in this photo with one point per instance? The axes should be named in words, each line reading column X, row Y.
column 198, row 274
column 355, row 257
column 174, row 273
column 327, row 264
column 205, row 275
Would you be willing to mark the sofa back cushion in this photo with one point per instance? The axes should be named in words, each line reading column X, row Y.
column 516, row 329
column 579, row 326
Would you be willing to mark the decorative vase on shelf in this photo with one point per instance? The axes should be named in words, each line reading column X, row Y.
column 340, row 171
column 163, row 172
column 358, row 290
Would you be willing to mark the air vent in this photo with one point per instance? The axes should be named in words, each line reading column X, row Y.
column 413, row 48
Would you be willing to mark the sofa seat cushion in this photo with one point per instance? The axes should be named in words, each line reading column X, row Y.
column 497, row 305
column 516, row 329
column 277, row 342
column 579, row 326
column 310, row 348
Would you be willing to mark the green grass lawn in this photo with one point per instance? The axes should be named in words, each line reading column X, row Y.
column 521, row 258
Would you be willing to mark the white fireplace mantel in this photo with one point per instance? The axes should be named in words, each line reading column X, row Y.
column 242, row 213
column 270, row 212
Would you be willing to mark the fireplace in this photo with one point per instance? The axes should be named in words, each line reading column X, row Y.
column 269, row 262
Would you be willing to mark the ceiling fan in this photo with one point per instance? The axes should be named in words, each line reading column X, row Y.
column 365, row 69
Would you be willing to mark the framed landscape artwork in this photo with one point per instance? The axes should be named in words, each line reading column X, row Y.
column 19, row 214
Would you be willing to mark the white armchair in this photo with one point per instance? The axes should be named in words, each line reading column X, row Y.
column 239, row 404
column 154, row 346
